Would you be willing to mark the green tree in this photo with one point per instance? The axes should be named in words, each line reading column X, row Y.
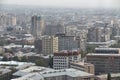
column 15, row 58
column 5, row 58
column 108, row 76
column 90, row 48
column 2, row 43
column 51, row 61
column 24, row 59
column 40, row 62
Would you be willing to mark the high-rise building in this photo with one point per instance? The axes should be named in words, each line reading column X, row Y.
column 81, row 36
column 38, row 45
column 62, row 59
column 49, row 45
column 67, row 42
column 98, row 34
column 2, row 20
column 14, row 21
column 52, row 29
column 94, row 34
column 37, row 26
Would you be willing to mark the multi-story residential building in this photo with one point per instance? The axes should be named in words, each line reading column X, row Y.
column 94, row 34
column 62, row 59
column 37, row 26
column 49, row 45
column 81, row 36
column 2, row 20
column 105, row 63
column 7, row 20
column 98, row 34
column 70, row 30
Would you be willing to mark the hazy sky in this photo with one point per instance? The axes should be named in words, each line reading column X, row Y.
column 65, row 3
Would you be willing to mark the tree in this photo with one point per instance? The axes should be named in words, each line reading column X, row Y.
column 90, row 48
column 24, row 59
column 5, row 58
column 2, row 43
column 15, row 58
column 51, row 61
column 40, row 62
column 108, row 76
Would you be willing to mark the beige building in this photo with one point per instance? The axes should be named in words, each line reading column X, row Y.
column 87, row 67
column 49, row 45
column 14, row 21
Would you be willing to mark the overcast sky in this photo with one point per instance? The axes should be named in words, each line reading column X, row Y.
column 65, row 3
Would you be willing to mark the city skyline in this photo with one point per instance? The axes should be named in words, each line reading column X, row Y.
column 66, row 3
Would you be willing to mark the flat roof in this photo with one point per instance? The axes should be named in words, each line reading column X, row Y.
column 4, row 71
column 81, row 63
column 98, row 54
column 12, row 63
column 53, row 73
column 107, row 48
column 31, row 70
column 31, row 76
column 112, row 75
column 69, row 72
column 97, row 43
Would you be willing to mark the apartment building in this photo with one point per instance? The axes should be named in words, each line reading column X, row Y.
column 62, row 59
column 49, row 45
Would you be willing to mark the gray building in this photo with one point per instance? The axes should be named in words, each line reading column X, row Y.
column 37, row 26
column 67, row 42
column 105, row 63
column 52, row 29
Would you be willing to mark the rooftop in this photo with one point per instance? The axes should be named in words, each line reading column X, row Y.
column 15, row 63
column 106, row 55
column 81, row 63
column 31, row 76
column 31, row 70
column 107, row 48
column 4, row 71
column 67, row 53
column 112, row 75
column 68, row 72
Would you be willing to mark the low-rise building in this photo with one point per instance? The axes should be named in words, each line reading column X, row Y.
column 62, row 59
column 5, row 74
column 107, row 50
column 114, row 76
column 83, row 66
column 64, row 74
column 28, row 70
column 105, row 63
